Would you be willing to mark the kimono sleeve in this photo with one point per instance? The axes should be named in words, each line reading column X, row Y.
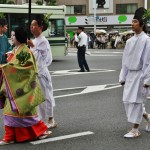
column 124, row 70
column 146, row 62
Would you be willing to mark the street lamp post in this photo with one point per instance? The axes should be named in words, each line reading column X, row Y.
column 94, row 6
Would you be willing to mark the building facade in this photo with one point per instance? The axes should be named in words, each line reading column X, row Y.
column 110, row 14
column 113, row 15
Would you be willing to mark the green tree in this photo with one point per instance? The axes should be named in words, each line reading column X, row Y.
column 10, row 2
column 39, row 2
column 3, row 1
column 50, row 2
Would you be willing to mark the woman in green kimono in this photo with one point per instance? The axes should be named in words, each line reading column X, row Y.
column 20, row 82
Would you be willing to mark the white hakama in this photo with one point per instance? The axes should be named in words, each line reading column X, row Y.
column 134, row 112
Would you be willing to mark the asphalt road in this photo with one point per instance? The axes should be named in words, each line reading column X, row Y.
column 89, row 108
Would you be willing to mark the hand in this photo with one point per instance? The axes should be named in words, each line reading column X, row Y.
column 122, row 83
column 146, row 86
column 1, row 66
column 30, row 43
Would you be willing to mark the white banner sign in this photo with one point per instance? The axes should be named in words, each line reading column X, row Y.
column 100, row 20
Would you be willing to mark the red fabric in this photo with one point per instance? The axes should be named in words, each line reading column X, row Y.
column 24, row 133
column 9, row 57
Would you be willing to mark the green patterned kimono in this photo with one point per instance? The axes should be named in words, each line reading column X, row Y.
column 22, row 86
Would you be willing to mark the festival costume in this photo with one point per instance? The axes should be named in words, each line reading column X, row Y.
column 23, row 95
column 135, row 72
column 43, row 56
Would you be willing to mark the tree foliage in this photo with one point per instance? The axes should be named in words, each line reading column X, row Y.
column 38, row 2
column 50, row 2
column 3, row 1
column 7, row 2
column 11, row 2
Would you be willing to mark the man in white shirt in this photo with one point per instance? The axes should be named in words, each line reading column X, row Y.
column 82, row 43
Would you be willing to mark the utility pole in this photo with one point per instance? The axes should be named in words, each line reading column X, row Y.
column 29, row 18
column 94, row 6
column 145, row 4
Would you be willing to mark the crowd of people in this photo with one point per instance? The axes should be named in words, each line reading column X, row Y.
column 112, row 40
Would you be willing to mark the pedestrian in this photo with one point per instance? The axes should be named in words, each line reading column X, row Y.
column 4, row 44
column 42, row 52
column 82, row 44
column 99, row 45
column 20, row 94
column 103, row 41
column 135, row 73
column 113, row 39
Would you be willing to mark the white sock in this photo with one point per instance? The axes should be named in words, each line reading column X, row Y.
column 135, row 129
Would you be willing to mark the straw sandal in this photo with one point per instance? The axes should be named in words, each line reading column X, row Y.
column 132, row 134
column 45, row 135
column 51, row 124
column 4, row 142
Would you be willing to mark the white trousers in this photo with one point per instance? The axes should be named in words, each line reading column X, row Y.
column 45, row 110
column 134, row 112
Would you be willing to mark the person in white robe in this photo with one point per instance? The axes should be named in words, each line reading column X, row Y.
column 135, row 74
column 42, row 52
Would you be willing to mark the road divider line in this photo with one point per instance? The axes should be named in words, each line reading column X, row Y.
column 62, row 137
column 88, row 89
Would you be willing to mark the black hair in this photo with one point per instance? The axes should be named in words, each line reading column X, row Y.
column 141, row 22
column 81, row 28
column 3, row 22
column 21, row 35
column 41, row 22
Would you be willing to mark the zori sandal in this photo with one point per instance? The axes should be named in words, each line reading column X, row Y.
column 132, row 134
column 4, row 142
column 45, row 135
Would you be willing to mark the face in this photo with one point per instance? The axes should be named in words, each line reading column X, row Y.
column 4, row 29
column 79, row 31
column 36, row 30
column 136, row 25
column 13, row 38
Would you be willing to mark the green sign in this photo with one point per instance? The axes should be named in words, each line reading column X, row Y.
column 72, row 19
column 122, row 19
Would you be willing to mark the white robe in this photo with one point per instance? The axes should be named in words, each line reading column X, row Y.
column 135, row 72
column 43, row 56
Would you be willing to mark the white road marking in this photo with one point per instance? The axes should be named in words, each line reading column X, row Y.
column 101, row 52
column 62, row 137
column 88, row 89
column 107, row 52
column 96, row 54
column 74, row 72
column 91, row 89
column 103, row 55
